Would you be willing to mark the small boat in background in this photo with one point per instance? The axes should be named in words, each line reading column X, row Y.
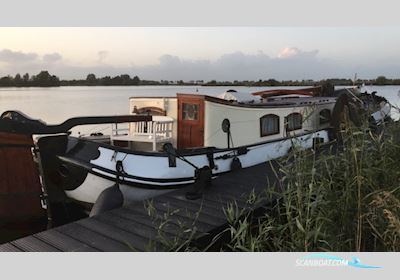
column 228, row 95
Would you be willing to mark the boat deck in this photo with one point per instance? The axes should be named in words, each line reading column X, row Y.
column 155, row 225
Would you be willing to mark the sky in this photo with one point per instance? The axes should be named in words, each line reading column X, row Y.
column 221, row 53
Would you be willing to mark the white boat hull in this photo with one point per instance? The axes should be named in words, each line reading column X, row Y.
column 150, row 175
column 94, row 185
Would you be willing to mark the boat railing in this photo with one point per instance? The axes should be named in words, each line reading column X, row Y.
column 158, row 130
column 117, row 131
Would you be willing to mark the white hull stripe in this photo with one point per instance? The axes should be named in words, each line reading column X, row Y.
column 157, row 167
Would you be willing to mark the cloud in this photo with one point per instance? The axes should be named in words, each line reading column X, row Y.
column 292, row 52
column 13, row 62
column 169, row 60
column 10, row 56
column 239, row 59
column 288, row 52
column 231, row 66
column 51, row 58
column 289, row 64
column 236, row 66
column 102, row 55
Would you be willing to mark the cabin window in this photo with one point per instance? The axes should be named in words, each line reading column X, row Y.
column 190, row 112
column 269, row 125
column 325, row 116
column 294, row 121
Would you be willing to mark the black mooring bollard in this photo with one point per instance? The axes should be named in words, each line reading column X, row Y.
column 203, row 178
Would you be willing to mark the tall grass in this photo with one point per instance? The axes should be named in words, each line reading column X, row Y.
column 184, row 233
column 346, row 199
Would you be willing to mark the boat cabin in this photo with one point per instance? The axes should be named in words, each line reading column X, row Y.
column 193, row 120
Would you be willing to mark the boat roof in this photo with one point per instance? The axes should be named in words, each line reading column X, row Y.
column 292, row 102
column 299, row 100
column 312, row 91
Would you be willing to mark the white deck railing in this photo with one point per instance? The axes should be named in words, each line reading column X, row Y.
column 157, row 131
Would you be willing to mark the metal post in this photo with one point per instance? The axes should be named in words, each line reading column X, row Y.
column 154, row 136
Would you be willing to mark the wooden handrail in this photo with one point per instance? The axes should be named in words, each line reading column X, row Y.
column 17, row 122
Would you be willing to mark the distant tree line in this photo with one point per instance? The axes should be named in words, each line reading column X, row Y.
column 120, row 80
column 45, row 79
column 92, row 80
column 381, row 80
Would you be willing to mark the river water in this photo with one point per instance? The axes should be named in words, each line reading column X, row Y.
column 54, row 105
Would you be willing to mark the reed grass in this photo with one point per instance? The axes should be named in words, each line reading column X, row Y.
column 184, row 234
column 344, row 199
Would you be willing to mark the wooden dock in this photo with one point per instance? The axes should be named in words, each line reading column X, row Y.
column 153, row 225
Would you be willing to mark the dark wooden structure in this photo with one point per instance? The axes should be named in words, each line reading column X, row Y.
column 144, row 226
column 21, row 212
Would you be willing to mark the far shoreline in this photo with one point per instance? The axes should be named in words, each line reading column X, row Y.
column 176, row 85
column 46, row 80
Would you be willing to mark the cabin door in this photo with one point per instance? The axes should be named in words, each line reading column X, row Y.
column 190, row 121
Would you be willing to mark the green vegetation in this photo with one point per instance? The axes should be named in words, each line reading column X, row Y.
column 44, row 79
column 381, row 80
column 346, row 199
column 92, row 80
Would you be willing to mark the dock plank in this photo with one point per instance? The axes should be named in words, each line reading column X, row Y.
column 33, row 244
column 133, row 242
column 92, row 238
column 149, row 234
column 63, row 242
column 209, row 212
column 199, row 216
column 178, row 216
column 169, row 228
column 197, row 205
column 142, row 226
column 8, row 247
column 181, row 196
